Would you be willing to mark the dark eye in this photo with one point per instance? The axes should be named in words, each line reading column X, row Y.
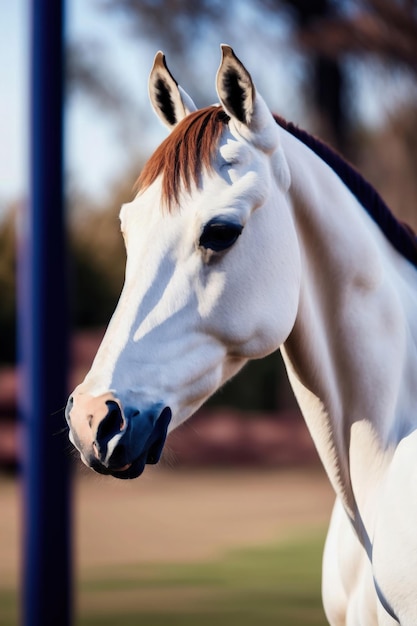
column 218, row 235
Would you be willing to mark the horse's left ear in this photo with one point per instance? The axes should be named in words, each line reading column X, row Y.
column 170, row 102
column 235, row 87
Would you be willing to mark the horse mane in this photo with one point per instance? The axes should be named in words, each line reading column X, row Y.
column 181, row 156
column 399, row 234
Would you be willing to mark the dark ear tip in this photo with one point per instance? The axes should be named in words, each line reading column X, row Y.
column 159, row 60
column 227, row 53
column 226, row 50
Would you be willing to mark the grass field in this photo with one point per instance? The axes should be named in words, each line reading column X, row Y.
column 269, row 585
column 263, row 586
column 198, row 548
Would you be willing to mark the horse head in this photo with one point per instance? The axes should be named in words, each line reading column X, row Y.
column 212, row 273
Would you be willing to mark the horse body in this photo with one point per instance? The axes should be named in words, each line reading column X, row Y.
column 267, row 249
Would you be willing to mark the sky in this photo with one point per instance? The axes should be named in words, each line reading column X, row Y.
column 88, row 135
column 13, row 98
column 95, row 154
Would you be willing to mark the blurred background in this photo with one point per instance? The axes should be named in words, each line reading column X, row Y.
column 345, row 71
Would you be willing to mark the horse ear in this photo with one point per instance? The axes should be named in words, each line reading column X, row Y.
column 235, row 87
column 170, row 102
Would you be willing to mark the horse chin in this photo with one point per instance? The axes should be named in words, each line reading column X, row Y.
column 131, row 470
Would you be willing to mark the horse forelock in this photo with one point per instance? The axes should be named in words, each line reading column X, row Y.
column 182, row 156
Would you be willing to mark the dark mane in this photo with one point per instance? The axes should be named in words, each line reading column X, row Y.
column 400, row 235
column 181, row 156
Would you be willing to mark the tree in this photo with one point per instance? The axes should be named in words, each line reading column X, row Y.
column 325, row 30
column 8, row 287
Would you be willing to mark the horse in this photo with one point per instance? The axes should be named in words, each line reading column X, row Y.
column 248, row 235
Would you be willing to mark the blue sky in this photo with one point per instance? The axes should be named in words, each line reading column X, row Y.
column 88, row 135
column 95, row 154
column 13, row 99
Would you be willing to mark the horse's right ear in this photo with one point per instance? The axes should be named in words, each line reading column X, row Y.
column 170, row 102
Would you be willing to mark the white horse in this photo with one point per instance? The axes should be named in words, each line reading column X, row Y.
column 242, row 240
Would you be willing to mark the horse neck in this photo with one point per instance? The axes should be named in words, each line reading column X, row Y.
column 350, row 346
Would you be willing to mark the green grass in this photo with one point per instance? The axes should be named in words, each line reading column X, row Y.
column 8, row 607
column 270, row 585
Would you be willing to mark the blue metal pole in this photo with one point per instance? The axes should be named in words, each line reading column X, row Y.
column 46, row 567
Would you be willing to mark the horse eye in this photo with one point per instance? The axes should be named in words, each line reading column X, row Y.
column 219, row 235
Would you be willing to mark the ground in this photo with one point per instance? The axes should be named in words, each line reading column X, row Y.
column 176, row 515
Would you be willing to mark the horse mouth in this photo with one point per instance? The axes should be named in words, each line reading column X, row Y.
column 128, row 471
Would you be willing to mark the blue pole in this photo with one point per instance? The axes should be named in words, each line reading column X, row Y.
column 42, row 328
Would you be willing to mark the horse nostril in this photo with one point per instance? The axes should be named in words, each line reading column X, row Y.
column 112, row 424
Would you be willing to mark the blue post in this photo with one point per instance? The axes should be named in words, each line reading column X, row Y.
column 43, row 312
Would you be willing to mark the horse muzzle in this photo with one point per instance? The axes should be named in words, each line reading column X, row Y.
column 116, row 441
